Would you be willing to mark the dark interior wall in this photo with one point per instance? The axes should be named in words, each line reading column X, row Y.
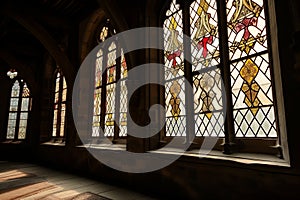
column 4, row 102
column 46, row 97
column 288, row 29
column 187, row 178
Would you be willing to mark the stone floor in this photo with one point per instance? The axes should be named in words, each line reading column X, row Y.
column 30, row 181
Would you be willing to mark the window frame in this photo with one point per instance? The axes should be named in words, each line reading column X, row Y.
column 116, row 138
column 59, row 104
column 20, row 98
column 231, row 144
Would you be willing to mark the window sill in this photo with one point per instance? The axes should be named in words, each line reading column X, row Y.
column 13, row 142
column 55, row 142
column 242, row 158
column 119, row 147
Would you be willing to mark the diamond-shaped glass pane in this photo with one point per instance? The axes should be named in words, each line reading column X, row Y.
column 110, row 109
column 176, row 126
column 123, row 109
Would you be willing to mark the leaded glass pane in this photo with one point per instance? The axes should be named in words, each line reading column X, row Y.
column 56, row 98
column 246, row 27
column 11, row 129
column 62, row 120
column 251, row 83
column 98, row 69
column 23, row 123
column 110, row 98
column 208, row 104
column 25, row 104
column 54, row 131
column 64, row 95
column 110, row 110
column 96, row 130
column 64, row 90
column 57, row 82
column 97, row 112
column 103, row 34
column 173, row 44
column 204, row 34
column 109, row 125
column 97, row 102
column 111, row 63
column 212, row 126
column 100, row 53
column 111, row 56
column 173, row 8
column 12, row 116
column 253, row 98
column 24, row 115
column 261, row 125
column 123, row 66
column 14, row 102
column 123, row 99
column 26, row 92
column 60, row 98
column 22, row 129
column 111, row 74
column 97, row 93
column 175, row 98
column 62, row 127
column 123, row 110
column 174, row 71
column 176, row 126
column 64, row 83
column 54, row 123
column 15, row 89
column 175, row 105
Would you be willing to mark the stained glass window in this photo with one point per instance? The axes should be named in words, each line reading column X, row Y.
column 97, row 94
column 252, row 93
column 174, row 71
column 232, row 50
column 104, row 33
column 110, row 98
column 247, row 31
column 60, row 99
column 204, row 34
column 208, row 106
column 20, row 105
column 123, row 98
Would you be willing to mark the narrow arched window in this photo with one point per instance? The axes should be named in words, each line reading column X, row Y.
column 59, row 104
column 174, row 73
column 230, row 44
column 110, row 98
column 20, row 106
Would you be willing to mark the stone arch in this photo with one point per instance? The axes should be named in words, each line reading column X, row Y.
column 23, row 70
column 50, row 44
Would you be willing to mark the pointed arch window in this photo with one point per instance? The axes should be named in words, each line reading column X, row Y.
column 20, row 106
column 110, row 98
column 59, row 104
column 230, row 42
